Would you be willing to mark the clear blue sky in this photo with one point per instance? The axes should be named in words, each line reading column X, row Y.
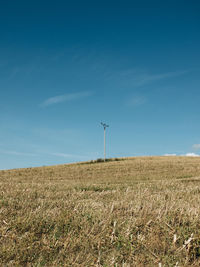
column 65, row 66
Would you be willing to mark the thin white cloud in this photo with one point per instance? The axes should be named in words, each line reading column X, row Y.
column 139, row 78
column 56, row 154
column 196, row 146
column 146, row 78
column 65, row 155
column 192, row 155
column 64, row 98
column 183, row 155
column 136, row 101
column 17, row 153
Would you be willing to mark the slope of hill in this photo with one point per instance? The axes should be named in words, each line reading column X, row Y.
column 132, row 212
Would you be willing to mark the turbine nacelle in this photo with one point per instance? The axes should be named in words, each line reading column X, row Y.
column 104, row 125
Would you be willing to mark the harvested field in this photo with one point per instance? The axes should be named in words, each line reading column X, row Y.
column 142, row 211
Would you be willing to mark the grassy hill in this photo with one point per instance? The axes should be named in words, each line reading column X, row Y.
column 133, row 212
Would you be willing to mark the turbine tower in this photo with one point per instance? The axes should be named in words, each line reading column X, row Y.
column 104, row 127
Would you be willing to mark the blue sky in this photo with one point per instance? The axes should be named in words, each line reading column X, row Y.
column 65, row 66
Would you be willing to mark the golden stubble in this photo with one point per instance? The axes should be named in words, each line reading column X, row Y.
column 132, row 212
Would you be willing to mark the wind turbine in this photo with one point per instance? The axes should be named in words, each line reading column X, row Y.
column 104, row 127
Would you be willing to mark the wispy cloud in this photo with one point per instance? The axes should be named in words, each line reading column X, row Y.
column 55, row 154
column 65, row 155
column 191, row 155
column 135, row 101
column 17, row 153
column 139, row 78
column 196, row 146
column 147, row 78
column 64, row 98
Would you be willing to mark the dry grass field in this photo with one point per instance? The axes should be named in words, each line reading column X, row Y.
column 141, row 211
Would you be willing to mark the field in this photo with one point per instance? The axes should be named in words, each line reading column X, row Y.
column 141, row 211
